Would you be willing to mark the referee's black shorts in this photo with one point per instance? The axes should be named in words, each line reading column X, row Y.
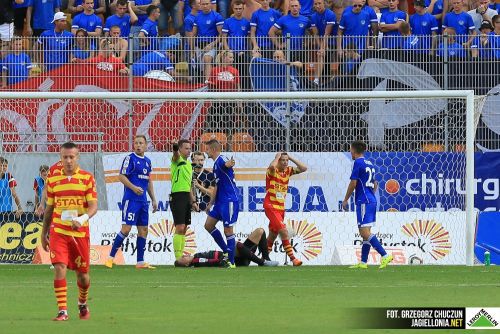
column 180, row 204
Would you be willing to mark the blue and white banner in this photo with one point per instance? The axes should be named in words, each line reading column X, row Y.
column 268, row 75
column 407, row 181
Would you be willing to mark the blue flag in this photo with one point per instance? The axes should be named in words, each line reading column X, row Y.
column 270, row 76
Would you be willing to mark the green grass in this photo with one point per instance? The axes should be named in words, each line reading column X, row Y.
column 306, row 300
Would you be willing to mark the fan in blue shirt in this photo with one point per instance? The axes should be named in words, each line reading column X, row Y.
column 235, row 29
column 294, row 24
column 56, row 43
column 435, row 8
column 121, row 19
column 148, row 35
column 207, row 25
column 354, row 26
column 140, row 7
column 262, row 20
column 461, row 22
column 423, row 25
column 409, row 42
column 16, row 65
column 87, row 20
column 454, row 49
column 389, row 25
column 152, row 61
column 41, row 12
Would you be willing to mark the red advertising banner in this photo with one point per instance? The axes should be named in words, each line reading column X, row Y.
column 40, row 125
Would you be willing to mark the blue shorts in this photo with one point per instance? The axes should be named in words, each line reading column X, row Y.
column 135, row 213
column 225, row 211
column 366, row 214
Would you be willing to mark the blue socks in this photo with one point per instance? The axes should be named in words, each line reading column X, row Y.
column 141, row 247
column 219, row 239
column 117, row 243
column 365, row 250
column 231, row 244
column 376, row 244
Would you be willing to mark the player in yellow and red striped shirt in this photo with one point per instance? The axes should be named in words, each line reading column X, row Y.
column 277, row 177
column 71, row 202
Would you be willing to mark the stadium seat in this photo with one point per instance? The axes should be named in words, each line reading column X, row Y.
column 242, row 142
column 432, row 147
column 220, row 136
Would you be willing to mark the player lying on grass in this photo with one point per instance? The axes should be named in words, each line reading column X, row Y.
column 245, row 253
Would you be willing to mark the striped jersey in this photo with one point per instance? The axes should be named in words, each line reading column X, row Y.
column 55, row 169
column 69, row 195
column 277, row 187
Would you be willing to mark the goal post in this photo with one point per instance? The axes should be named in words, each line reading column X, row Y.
column 295, row 134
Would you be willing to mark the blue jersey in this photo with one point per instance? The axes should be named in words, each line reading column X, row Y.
column 137, row 170
column 354, row 25
column 462, row 23
column 38, row 186
column 296, row 26
column 80, row 3
column 484, row 51
column 83, row 54
column 321, row 20
column 151, row 61
column 88, row 22
column 495, row 44
column 26, row 3
column 43, row 12
column 237, row 32
column 263, row 20
column 224, row 178
column 56, row 47
column 187, row 8
column 7, row 181
column 363, row 171
column 454, row 50
column 411, row 43
column 306, row 7
column 122, row 22
column 142, row 17
column 207, row 26
column 17, row 67
column 423, row 26
column 391, row 39
column 189, row 22
column 438, row 9
column 150, row 30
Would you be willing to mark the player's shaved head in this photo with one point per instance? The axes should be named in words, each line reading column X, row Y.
column 358, row 146
column 69, row 157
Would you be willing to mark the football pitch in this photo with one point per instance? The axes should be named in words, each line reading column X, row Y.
column 309, row 299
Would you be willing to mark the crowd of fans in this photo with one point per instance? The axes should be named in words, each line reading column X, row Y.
column 212, row 41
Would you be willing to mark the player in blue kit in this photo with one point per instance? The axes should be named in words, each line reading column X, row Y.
column 364, row 185
column 225, row 204
column 135, row 175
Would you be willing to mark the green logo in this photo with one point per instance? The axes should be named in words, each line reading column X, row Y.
column 482, row 319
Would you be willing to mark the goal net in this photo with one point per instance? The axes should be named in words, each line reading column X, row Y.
column 421, row 143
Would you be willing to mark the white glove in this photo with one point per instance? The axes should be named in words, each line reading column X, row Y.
column 82, row 219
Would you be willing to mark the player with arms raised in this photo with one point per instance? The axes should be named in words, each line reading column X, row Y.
column 364, row 185
column 71, row 202
column 135, row 174
column 277, row 177
column 225, row 204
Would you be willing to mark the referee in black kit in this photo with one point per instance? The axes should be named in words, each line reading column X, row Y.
column 182, row 198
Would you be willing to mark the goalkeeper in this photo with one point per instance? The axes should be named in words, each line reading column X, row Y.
column 245, row 253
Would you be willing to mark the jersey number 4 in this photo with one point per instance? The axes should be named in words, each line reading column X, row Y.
column 371, row 172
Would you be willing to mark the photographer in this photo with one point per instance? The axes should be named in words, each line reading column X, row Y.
column 203, row 180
